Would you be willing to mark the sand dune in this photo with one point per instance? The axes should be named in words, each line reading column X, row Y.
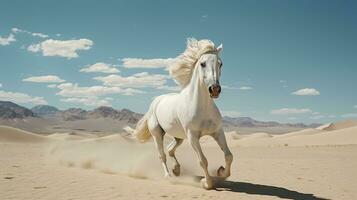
column 258, row 135
column 309, row 137
column 338, row 125
column 233, row 135
column 71, row 136
column 122, row 155
column 82, row 166
column 309, row 131
column 341, row 133
column 9, row 134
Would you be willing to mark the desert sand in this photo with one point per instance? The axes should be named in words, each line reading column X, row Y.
column 309, row 164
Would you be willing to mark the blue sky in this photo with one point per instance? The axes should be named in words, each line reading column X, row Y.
column 291, row 61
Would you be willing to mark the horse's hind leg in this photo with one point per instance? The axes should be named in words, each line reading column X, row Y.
column 171, row 150
column 158, row 136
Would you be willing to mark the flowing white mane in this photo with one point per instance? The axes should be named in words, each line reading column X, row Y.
column 181, row 70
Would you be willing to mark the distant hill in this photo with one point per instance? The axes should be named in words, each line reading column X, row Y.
column 109, row 112
column 249, row 122
column 45, row 110
column 73, row 114
column 48, row 119
column 98, row 113
column 245, row 125
column 9, row 110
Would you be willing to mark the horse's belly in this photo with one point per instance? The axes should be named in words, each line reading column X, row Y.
column 177, row 132
column 173, row 128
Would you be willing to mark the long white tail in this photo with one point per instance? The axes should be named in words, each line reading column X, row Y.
column 141, row 131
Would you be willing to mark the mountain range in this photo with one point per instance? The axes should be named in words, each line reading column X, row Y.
column 72, row 114
column 49, row 119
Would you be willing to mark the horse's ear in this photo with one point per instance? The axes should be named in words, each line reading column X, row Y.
column 220, row 48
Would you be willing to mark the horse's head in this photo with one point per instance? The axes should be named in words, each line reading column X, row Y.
column 210, row 65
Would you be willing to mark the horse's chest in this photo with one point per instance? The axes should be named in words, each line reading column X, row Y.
column 208, row 125
column 205, row 126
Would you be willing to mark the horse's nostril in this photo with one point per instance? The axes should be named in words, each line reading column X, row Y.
column 214, row 89
column 219, row 89
column 210, row 89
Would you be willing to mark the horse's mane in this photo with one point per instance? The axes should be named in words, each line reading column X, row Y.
column 181, row 70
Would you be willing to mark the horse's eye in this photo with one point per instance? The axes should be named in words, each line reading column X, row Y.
column 220, row 66
column 203, row 64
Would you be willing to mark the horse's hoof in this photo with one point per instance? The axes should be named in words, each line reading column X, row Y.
column 207, row 184
column 220, row 171
column 176, row 170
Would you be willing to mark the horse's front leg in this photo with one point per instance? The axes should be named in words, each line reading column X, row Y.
column 221, row 141
column 193, row 138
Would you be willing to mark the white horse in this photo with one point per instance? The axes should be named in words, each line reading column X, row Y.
column 191, row 113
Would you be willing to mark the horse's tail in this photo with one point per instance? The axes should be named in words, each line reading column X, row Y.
column 141, row 131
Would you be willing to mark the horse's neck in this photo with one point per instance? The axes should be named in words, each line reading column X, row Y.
column 197, row 93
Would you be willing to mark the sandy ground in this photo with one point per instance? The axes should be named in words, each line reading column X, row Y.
column 311, row 164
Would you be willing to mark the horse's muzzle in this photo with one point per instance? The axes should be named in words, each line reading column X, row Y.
column 214, row 90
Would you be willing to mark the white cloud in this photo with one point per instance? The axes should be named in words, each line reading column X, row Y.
column 21, row 98
column 41, row 35
column 52, row 86
column 147, row 63
column 169, row 88
column 61, row 48
column 306, row 92
column 100, row 67
column 7, row 40
column 73, row 90
column 0, row 85
column 34, row 48
column 204, row 18
column 91, row 96
column 349, row 115
column 17, row 30
column 236, row 88
column 355, row 106
column 284, row 83
column 290, row 111
column 316, row 117
column 230, row 113
column 229, row 87
column 292, row 118
column 245, row 88
column 44, row 79
column 131, row 91
column 138, row 80
column 88, row 101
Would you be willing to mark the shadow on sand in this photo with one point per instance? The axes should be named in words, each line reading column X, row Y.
column 257, row 189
